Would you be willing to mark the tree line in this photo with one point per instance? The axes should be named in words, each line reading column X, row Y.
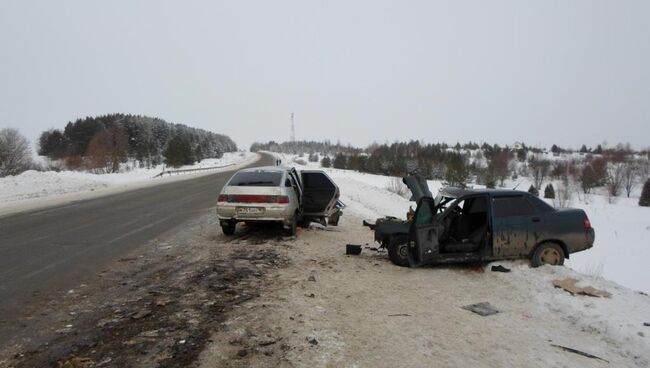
column 618, row 169
column 102, row 143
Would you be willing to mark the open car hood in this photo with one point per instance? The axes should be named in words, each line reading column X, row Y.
column 418, row 186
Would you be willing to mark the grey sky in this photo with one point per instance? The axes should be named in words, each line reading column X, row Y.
column 563, row 72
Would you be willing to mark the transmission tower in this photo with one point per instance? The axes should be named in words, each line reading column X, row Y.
column 293, row 130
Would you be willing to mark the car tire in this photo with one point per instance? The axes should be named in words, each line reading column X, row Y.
column 398, row 250
column 548, row 253
column 293, row 226
column 228, row 228
column 334, row 219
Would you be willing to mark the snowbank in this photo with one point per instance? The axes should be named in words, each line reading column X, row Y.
column 33, row 187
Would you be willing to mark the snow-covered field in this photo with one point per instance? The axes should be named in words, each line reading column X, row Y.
column 35, row 186
column 621, row 252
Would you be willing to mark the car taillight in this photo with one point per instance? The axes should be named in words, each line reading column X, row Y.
column 587, row 223
column 222, row 198
column 282, row 199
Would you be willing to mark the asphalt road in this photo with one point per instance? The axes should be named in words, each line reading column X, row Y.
column 55, row 249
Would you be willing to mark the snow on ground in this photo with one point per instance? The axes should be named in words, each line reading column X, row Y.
column 38, row 185
column 621, row 252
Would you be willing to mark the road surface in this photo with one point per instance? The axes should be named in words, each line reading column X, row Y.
column 55, row 249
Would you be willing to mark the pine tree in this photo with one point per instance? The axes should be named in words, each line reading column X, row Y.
column 326, row 162
column 532, row 190
column 644, row 200
column 340, row 161
column 549, row 191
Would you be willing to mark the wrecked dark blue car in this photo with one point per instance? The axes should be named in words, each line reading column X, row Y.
column 477, row 225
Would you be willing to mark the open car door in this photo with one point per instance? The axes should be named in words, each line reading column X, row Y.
column 319, row 194
column 423, row 244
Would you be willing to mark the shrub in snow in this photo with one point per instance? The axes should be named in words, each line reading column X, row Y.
column 395, row 185
column 326, row 162
column 532, row 190
column 340, row 161
column 645, row 195
column 549, row 191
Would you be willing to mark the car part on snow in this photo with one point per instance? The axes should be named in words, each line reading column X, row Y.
column 499, row 268
column 352, row 249
column 482, row 309
column 569, row 284
column 576, row 351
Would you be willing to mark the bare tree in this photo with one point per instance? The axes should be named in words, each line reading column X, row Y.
column 563, row 195
column 498, row 166
column 539, row 169
column 107, row 149
column 15, row 153
column 615, row 178
column 630, row 176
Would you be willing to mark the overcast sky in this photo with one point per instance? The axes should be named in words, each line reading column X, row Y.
column 542, row 72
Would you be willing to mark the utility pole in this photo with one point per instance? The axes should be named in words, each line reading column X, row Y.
column 293, row 130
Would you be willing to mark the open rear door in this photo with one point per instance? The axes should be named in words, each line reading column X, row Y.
column 424, row 247
column 319, row 194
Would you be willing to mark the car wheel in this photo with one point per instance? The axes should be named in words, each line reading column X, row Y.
column 228, row 228
column 398, row 250
column 334, row 219
column 293, row 226
column 548, row 253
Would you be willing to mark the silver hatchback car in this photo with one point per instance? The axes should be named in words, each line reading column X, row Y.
column 278, row 194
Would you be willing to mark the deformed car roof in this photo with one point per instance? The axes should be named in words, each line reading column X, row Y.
column 454, row 192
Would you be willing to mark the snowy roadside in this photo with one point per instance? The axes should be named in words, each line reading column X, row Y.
column 620, row 254
column 327, row 309
column 36, row 189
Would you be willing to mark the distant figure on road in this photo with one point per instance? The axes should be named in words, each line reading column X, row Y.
column 278, row 162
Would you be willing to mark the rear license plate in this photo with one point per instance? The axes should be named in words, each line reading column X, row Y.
column 250, row 210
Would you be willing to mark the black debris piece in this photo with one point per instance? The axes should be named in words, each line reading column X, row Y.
column 482, row 309
column 499, row 268
column 576, row 351
column 352, row 249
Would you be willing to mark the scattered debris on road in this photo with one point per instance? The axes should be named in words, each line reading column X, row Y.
column 499, row 268
column 576, row 351
column 399, row 315
column 312, row 340
column 352, row 249
column 482, row 309
column 569, row 284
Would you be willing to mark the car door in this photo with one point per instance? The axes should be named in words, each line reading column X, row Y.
column 424, row 247
column 513, row 226
column 319, row 193
column 295, row 192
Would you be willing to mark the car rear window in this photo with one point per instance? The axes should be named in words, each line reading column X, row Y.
column 256, row 179
column 513, row 206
